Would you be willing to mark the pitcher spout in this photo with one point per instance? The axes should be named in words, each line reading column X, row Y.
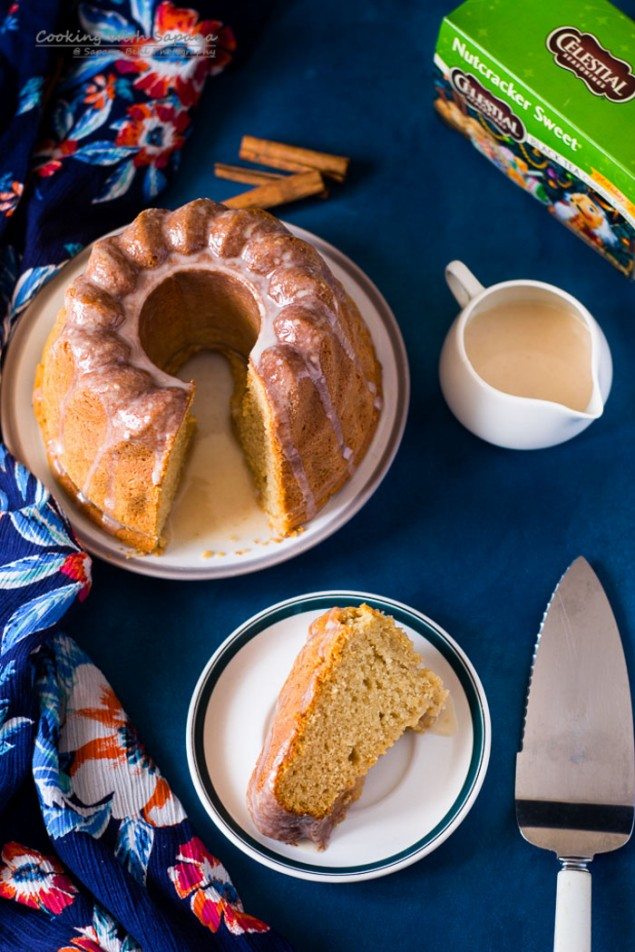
column 595, row 408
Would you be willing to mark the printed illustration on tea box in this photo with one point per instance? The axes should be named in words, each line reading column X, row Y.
column 567, row 197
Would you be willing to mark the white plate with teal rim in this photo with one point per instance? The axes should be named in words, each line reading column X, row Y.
column 216, row 528
column 414, row 797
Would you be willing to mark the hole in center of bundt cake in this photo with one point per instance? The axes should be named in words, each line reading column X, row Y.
column 195, row 310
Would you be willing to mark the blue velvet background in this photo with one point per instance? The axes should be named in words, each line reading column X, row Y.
column 474, row 536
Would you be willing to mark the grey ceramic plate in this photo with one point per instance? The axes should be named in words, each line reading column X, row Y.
column 234, row 537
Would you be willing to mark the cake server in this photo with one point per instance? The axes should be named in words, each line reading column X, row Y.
column 575, row 773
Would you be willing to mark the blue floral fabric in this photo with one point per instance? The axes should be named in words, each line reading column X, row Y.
column 96, row 852
column 90, row 136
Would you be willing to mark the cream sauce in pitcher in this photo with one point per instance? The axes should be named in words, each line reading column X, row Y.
column 524, row 365
column 533, row 349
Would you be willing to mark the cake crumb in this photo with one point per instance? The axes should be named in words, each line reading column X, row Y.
column 291, row 535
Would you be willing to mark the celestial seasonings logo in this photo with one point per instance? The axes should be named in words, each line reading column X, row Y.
column 492, row 108
column 583, row 55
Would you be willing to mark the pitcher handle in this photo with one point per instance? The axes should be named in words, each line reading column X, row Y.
column 462, row 283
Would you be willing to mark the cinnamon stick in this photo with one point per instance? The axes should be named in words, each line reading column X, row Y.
column 289, row 188
column 292, row 158
column 239, row 173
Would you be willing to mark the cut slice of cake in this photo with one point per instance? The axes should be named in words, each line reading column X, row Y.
column 355, row 687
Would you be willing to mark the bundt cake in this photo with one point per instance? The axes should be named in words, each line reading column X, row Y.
column 355, row 687
column 116, row 422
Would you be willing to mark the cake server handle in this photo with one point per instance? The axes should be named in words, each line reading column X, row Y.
column 462, row 283
column 572, row 931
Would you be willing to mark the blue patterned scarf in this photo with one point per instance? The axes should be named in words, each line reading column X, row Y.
column 96, row 852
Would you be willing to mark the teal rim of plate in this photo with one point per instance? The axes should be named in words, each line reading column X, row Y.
column 325, row 600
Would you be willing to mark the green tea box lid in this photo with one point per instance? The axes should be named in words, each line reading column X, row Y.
column 546, row 90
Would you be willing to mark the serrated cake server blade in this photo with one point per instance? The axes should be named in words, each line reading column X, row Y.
column 575, row 773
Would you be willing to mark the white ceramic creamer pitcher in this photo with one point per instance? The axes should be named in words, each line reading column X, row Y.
column 502, row 418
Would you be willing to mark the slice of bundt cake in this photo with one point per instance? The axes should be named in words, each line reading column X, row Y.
column 354, row 689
